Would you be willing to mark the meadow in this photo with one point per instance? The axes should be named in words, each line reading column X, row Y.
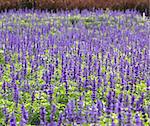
column 74, row 69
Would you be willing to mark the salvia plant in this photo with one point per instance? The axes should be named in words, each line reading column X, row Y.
column 70, row 68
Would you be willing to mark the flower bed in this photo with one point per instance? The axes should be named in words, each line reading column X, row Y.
column 71, row 68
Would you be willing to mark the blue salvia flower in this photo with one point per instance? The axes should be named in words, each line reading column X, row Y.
column 16, row 94
column 66, row 87
column 60, row 120
column 80, row 103
column 136, row 69
column 17, row 76
column 94, row 89
column 87, row 114
column 93, row 114
column 12, row 67
column 24, row 118
column 13, row 120
column 63, row 78
column 138, row 120
column 79, row 116
column 80, row 84
column 120, row 119
column 114, row 100
column 120, row 97
column 128, row 71
column 85, row 85
column 56, row 62
column 42, row 116
column 74, row 71
column 1, row 70
column 50, row 93
column 5, row 112
column 99, row 107
column 70, row 111
column 85, row 72
column 139, row 104
column 89, row 64
column 129, row 116
column 109, row 100
column 117, row 107
column 27, row 87
column 52, row 115
column 148, row 84
column 99, row 82
column 132, row 100
column 33, row 96
column 126, row 103
column 112, row 81
column 4, row 86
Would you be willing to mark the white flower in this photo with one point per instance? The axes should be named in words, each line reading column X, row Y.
column 143, row 15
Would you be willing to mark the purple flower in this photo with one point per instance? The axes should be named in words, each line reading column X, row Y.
column 132, row 100
column 86, row 84
column 60, row 119
column 42, row 116
column 24, row 119
column 4, row 87
column 53, row 111
column 99, row 82
column 87, row 114
column 93, row 114
column 70, row 111
column 120, row 119
column 99, row 107
column 129, row 116
column 112, row 81
column 79, row 117
column 80, row 103
column 66, row 87
column 33, row 96
column 13, row 120
column 16, row 94
column 148, row 84
column 94, row 89
column 50, row 93
column 5, row 112
column 138, row 120
column 52, row 124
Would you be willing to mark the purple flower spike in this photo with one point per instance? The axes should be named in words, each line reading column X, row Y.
column 138, row 120
column 60, row 120
column 5, row 112
column 52, row 115
column 13, row 120
column 24, row 119
column 16, row 94
column 42, row 116
column 99, row 107
column 148, row 84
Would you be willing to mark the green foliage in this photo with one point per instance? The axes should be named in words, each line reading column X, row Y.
column 34, row 119
column 74, row 19
column 2, row 60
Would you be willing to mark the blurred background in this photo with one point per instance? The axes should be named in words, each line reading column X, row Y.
column 139, row 5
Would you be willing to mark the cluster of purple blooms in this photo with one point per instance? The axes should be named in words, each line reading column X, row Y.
column 94, row 71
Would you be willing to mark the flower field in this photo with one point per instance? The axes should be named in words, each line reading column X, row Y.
column 74, row 69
